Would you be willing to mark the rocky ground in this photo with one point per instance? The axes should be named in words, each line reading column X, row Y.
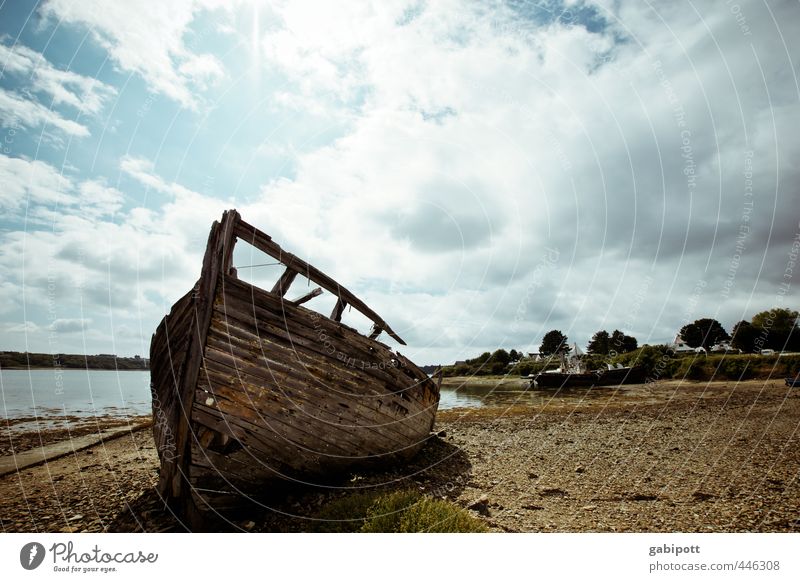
column 82, row 491
column 665, row 457
column 18, row 435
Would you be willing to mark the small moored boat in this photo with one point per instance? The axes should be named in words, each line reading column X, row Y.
column 249, row 387
column 610, row 377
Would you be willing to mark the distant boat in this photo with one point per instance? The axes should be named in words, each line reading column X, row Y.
column 611, row 377
column 250, row 387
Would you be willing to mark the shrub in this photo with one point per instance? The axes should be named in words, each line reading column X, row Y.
column 657, row 361
column 386, row 512
column 395, row 512
column 693, row 368
column 409, row 512
column 346, row 514
column 735, row 368
column 790, row 364
column 438, row 516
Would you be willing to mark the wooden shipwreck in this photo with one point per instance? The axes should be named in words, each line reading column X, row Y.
column 249, row 387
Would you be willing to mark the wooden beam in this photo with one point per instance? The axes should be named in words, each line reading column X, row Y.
column 338, row 309
column 176, row 482
column 264, row 243
column 316, row 292
column 282, row 285
column 375, row 332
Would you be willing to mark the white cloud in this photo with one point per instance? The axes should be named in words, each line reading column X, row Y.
column 69, row 325
column 148, row 39
column 142, row 170
column 64, row 87
column 98, row 199
column 478, row 141
column 33, row 182
column 25, row 328
column 19, row 111
column 479, row 135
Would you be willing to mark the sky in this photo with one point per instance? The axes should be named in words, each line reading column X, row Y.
column 478, row 172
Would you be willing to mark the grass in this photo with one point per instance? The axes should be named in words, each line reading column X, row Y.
column 395, row 512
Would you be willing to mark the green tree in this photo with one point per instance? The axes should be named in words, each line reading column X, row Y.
column 500, row 356
column 779, row 327
column 553, row 342
column 622, row 343
column 777, row 318
column 704, row 332
column 599, row 344
column 514, row 355
column 744, row 336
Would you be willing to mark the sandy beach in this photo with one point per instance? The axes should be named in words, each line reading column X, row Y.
column 665, row 457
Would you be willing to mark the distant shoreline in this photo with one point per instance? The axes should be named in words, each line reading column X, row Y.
column 63, row 368
column 39, row 361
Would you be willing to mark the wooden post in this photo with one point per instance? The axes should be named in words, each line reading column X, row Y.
column 338, row 309
column 376, row 331
column 218, row 250
column 316, row 292
column 282, row 285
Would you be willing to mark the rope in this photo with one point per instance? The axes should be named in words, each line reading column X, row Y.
column 254, row 266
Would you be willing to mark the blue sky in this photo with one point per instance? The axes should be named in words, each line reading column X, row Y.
column 478, row 172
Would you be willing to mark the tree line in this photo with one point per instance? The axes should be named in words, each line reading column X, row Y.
column 33, row 360
column 601, row 344
column 775, row 329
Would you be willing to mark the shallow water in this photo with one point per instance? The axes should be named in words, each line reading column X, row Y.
column 81, row 393
column 87, row 393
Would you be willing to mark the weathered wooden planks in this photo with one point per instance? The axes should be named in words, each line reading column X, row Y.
column 253, row 387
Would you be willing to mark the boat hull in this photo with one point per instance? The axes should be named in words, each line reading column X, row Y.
column 613, row 377
column 280, row 393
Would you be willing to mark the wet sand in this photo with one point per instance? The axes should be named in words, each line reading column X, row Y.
column 666, row 457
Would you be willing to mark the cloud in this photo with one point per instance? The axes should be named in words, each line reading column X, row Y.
column 26, row 112
column 83, row 93
column 634, row 143
column 98, row 199
column 149, row 41
column 69, row 325
column 49, row 194
column 81, row 249
column 24, row 328
column 34, row 182
column 142, row 170
column 619, row 136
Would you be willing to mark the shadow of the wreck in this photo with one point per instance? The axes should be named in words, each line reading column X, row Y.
column 440, row 470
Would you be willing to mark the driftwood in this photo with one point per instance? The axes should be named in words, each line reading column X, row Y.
column 249, row 387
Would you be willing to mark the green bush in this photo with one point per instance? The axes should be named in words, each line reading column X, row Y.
column 734, row 368
column 347, row 514
column 693, row 368
column 658, row 362
column 396, row 512
column 386, row 512
column 790, row 365
column 437, row 516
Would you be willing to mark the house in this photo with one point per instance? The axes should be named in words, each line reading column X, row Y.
column 681, row 347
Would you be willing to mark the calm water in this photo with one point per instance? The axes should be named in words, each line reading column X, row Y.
column 74, row 393
column 127, row 393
